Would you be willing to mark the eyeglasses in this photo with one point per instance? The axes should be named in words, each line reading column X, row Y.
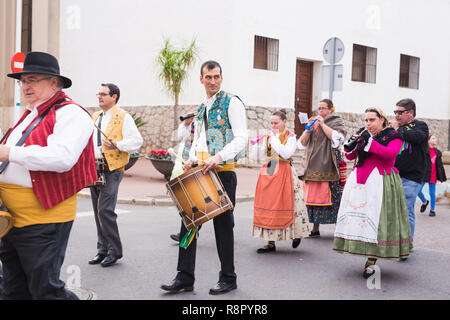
column 22, row 82
column 324, row 108
column 102, row 94
column 400, row 112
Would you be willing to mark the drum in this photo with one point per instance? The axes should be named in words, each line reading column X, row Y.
column 199, row 197
column 6, row 220
column 101, row 180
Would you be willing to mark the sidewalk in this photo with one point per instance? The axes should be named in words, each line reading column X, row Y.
column 143, row 185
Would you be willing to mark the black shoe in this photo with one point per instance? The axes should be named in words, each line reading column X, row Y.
column 177, row 286
column 368, row 272
column 314, row 234
column 296, row 242
column 175, row 237
column 423, row 207
column 97, row 259
column 222, row 287
column 266, row 249
column 432, row 213
column 110, row 260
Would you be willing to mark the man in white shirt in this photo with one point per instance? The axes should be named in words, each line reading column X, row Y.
column 46, row 159
column 220, row 145
column 122, row 138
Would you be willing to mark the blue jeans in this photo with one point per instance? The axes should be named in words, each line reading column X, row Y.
column 432, row 190
column 411, row 189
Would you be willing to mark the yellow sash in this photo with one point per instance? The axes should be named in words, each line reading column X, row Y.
column 26, row 210
column 202, row 156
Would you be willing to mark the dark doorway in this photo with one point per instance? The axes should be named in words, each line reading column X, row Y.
column 303, row 92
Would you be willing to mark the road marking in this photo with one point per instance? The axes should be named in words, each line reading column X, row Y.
column 91, row 212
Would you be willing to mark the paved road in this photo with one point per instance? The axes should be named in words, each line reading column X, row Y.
column 312, row 271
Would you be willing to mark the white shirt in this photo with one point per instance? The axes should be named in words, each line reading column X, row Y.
column 238, row 122
column 336, row 140
column 285, row 151
column 132, row 139
column 183, row 131
column 71, row 133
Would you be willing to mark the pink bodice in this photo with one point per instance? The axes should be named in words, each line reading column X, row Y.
column 382, row 158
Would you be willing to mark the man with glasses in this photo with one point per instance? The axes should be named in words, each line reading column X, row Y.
column 48, row 157
column 412, row 158
column 115, row 137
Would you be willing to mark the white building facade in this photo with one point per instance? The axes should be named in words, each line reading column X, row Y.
column 271, row 52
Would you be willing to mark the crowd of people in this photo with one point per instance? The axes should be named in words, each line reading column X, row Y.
column 57, row 148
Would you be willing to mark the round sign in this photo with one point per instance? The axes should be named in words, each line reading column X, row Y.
column 333, row 50
column 17, row 62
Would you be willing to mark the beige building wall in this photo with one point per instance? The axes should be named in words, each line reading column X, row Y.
column 45, row 37
column 7, row 43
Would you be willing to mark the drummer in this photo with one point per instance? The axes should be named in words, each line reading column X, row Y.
column 219, row 147
column 122, row 138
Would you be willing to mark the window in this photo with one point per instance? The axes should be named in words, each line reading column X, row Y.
column 409, row 72
column 266, row 54
column 364, row 65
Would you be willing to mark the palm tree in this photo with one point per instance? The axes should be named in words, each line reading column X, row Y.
column 174, row 65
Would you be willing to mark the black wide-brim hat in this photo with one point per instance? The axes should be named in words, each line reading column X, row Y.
column 41, row 63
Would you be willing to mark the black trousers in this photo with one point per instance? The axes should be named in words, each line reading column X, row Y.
column 223, row 230
column 32, row 257
column 104, row 201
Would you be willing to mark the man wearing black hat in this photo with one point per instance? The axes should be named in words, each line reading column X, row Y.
column 48, row 157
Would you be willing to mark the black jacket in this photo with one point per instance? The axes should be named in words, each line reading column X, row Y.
column 440, row 171
column 411, row 162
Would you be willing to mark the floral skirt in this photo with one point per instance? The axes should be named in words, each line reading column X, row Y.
column 394, row 232
column 327, row 214
column 299, row 228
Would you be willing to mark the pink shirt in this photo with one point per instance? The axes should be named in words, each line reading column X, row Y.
column 382, row 158
column 433, row 156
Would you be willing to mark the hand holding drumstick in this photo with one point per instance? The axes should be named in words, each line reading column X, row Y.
column 108, row 143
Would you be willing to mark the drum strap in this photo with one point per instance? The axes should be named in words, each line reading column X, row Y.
column 31, row 128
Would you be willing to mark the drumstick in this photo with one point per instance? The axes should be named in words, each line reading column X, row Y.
column 115, row 147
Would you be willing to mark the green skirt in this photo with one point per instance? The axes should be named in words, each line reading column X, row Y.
column 394, row 232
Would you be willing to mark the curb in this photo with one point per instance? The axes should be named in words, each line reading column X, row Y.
column 162, row 202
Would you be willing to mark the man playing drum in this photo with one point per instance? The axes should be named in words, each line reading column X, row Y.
column 219, row 147
column 115, row 137
column 48, row 157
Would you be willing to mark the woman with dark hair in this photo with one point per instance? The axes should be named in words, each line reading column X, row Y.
column 434, row 171
column 373, row 218
column 322, row 188
column 279, row 209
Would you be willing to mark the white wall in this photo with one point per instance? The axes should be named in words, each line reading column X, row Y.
column 117, row 41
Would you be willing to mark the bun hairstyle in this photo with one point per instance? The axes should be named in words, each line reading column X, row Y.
column 329, row 103
column 281, row 113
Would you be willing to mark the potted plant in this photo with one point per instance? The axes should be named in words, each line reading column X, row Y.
column 162, row 161
column 135, row 156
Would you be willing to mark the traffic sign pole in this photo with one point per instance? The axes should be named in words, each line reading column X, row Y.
column 18, row 49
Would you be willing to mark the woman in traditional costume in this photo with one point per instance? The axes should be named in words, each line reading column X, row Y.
column 279, row 209
column 322, row 188
column 373, row 218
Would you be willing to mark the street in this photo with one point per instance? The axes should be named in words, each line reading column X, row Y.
column 312, row 271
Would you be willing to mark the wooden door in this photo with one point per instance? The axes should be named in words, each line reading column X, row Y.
column 303, row 92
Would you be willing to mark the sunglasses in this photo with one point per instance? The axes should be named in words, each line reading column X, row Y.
column 400, row 112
